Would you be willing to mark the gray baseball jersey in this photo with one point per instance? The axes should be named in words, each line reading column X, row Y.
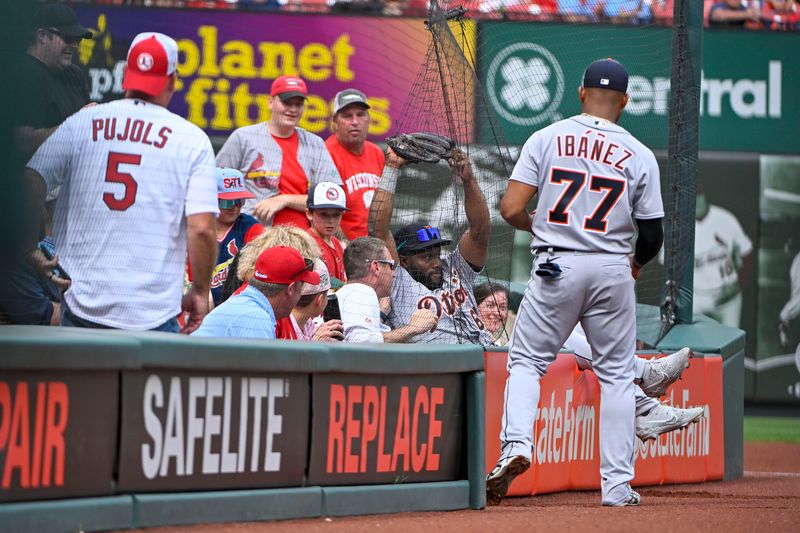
column 454, row 304
column 253, row 151
column 593, row 178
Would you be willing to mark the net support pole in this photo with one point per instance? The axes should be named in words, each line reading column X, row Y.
column 681, row 178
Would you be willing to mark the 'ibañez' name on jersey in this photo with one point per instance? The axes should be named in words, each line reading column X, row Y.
column 134, row 130
column 597, row 149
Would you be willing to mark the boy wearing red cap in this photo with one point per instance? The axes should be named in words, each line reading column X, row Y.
column 271, row 294
column 278, row 158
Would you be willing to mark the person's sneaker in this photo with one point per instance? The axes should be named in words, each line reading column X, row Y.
column 633, row 499
column 664, row 418
column 500, row 478
column 659, row 374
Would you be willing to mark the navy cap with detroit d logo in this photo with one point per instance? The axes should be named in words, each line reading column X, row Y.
column 606, row 74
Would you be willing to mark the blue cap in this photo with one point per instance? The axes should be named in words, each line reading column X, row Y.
column 606, row 74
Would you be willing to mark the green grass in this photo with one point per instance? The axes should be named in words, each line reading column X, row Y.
column 771, row 429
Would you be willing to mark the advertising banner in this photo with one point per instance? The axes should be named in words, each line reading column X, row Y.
column 385, row 429
column 566, row 454
column 58, row 434
column 192, row 430
column 228, row 60
column 531, row 73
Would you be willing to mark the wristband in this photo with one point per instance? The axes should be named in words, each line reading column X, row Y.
column 388, row 180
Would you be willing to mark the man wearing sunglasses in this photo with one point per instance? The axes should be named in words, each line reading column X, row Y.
column 426, row 279
column 370, row 272
column 50, row 87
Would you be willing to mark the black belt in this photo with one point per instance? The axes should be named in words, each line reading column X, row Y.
column 552, row 249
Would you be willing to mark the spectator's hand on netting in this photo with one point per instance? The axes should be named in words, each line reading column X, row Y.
column 45, row 268
column 332, row 330
column 461, row 166
column 423, row 320
column 392, row 159
column 266, row 209
column 421, row 147
column 196, row 305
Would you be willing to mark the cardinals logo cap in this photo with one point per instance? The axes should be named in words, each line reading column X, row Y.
column 152, row 58
column 326, row 195
column 284, row 265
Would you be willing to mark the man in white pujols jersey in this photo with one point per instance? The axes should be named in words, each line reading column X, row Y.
column 137, row 189
column 593, row 179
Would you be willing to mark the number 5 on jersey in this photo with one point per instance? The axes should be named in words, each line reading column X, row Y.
column 114, row 175
column 575, row 180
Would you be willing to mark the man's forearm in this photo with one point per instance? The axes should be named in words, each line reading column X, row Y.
column 477, row 212
column 202, row 244
column 400, row 335
column 380, row 210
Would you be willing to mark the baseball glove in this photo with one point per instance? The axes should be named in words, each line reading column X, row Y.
column 421, row 147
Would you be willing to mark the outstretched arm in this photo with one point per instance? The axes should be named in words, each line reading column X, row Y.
column 474, row 244
column 380, row 210
column 514, row 204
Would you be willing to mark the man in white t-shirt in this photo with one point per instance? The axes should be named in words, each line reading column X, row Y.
column 137, row 191
column 370, row 271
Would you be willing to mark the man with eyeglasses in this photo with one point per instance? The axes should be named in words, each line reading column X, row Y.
column 274, row 290
column 426, row 279
column 370, row 270
column 50, row 87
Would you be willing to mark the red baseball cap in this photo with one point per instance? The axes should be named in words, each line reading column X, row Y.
column 152, row 58
column 284, row 265
column 286, row 87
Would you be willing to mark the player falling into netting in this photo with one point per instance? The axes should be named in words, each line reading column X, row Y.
column 593, row 179
column 425, row 279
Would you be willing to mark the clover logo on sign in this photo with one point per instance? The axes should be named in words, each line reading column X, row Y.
column 525, row 84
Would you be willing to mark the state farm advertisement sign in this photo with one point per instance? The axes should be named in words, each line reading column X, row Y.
column 57, row 434
column 385, row 429
column 190, row 430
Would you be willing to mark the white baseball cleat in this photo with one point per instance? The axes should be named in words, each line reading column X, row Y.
column 500, row 478
column 663, row 419
column 633, row 499
column 659, row 374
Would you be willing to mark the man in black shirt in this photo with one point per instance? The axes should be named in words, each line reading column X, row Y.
column 51, row 87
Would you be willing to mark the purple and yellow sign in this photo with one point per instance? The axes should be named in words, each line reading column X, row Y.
column 228, row 60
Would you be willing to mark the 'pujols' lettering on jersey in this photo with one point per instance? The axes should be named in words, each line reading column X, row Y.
column 597, row 149
column 134, row 130
column 358, row 417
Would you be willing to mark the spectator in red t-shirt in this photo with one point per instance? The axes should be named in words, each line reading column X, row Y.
column 324, row 208
column 358, row 161
column 278, row 158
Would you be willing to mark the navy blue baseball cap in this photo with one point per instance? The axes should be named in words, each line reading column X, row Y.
column 417, row 237
column 606, row 74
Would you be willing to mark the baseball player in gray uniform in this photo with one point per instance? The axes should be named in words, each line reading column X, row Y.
column 593, row 179
column 425, row 280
